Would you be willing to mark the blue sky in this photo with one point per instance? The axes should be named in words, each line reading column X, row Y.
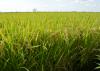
column 50, row 5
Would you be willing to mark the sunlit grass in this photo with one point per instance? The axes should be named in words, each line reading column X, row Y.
column 49, row 41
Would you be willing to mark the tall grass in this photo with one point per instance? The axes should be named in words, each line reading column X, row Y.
column 49, row 41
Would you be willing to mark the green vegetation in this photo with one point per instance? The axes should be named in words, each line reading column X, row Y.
column 49, row 41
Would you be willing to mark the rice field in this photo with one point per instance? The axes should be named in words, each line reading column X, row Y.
column 43, row 41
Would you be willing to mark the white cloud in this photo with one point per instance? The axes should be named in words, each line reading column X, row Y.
column 68, row 5
column 77, row 0
column 85, row 2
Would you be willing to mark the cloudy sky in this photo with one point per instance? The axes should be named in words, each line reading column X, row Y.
column 49, row 5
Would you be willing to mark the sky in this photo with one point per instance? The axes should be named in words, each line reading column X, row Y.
column 49, row 5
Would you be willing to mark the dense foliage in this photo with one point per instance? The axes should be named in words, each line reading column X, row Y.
column 49, row 41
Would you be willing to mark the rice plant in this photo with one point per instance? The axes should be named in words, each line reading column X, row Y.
column 56, row 41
